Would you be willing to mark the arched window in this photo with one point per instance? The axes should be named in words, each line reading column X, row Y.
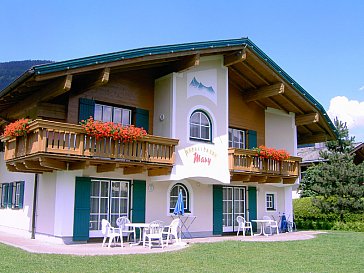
column 173, row 196
column 200, row 126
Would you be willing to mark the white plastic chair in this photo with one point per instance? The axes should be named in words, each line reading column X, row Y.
column 126, row 231
column 110, row 232
column 153, row 232
column 172, row 230
column 271, row 225
column 244, row 225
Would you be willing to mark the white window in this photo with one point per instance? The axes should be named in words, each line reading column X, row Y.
column 270, row 201
column 200, row 126
column 237, row 138
column 108, row 113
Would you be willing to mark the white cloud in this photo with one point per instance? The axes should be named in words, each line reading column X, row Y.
column 349, row 111
column 361, row 88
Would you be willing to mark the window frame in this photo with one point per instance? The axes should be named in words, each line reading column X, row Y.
column 204, row 113
column 113, row 108
column 186, row 197
column 270, row 205
column 245, row 139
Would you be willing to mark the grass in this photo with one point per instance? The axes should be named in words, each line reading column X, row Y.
column 331, row 252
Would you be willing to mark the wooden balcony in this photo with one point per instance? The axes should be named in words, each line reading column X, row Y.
column 246, row 166
column 61, row 146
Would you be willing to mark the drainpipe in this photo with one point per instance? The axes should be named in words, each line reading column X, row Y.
column 34, row 204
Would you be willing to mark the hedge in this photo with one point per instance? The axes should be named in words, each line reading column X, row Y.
column 307, row 216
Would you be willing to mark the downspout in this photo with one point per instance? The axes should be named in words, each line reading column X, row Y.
column 34, row 204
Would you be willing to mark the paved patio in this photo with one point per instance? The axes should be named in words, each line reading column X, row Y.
column 38, row 246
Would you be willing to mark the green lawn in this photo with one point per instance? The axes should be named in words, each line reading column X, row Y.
column 331, row 252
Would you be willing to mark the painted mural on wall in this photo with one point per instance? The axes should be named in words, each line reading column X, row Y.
column 202, row 83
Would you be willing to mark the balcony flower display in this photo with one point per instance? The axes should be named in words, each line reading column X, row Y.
column 17, row 128
column 99, row 130
column 265, row 152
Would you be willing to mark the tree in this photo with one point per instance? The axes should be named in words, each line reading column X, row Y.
column 336, row 184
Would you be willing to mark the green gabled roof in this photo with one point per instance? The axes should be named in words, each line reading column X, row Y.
column 167, row 49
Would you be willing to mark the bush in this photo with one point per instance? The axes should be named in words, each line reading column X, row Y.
column 349, row 226
column 307, row 216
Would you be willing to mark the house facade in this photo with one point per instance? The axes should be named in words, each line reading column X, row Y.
column 205, row 106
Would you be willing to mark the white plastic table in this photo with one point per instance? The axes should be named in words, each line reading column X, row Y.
column 186, row 222
column 262, row 226
column 141, row 227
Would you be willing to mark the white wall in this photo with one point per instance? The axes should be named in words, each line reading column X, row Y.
column 17, row 220
column 280, row 130
column 201, row 204
column 177, row 91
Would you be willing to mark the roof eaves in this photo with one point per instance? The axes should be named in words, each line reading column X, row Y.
column 22, row 78
column 294, row 84
column 135, row 53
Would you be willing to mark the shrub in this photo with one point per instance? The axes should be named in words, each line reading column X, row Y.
column 307, row 216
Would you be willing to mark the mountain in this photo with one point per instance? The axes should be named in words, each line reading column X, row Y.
column 9, row 71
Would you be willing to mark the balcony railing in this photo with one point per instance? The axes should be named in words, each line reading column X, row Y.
column 65, row 140
column 247, row 161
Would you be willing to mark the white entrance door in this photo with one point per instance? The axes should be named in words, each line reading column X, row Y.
column 233, row 206
column 109, row 200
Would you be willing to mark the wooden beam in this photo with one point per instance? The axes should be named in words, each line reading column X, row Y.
column 80, row 165
column 289, row 180
column 264, row 92
column 259, row 179
column 133, row 170
column 236, row 57
column 104, row 77
column 307, row 119
column 314, row 138
column 48, row 92
column 187, row 63
column 274, row 179
column 255, row 72
column 57, row 88
column 159, row 171
column 106, row 168
column 11, row 168
column 35, row 165
column 242, row 77
column 53, row 164
column 240, row 177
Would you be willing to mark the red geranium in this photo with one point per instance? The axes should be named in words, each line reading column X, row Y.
column 265, row 152
column 99, row 130
column 17, row 128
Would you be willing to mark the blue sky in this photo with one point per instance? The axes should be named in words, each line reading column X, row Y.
column 318, row 43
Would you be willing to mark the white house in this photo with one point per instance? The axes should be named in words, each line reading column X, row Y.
column 205, row 106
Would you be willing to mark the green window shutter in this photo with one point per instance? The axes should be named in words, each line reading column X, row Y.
column 252, row 205
column 5, row 188
column 142, row 118
column 10, row 195
column 139, row 194
column 82, row 209
column 86, row 109
column 252, row 139
column 21, row 195
column 217, row 209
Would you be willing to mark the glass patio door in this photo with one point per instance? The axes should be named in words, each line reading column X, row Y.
column 233, row 206
column 109, row 200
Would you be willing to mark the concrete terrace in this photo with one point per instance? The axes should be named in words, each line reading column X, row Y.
column 94, row 248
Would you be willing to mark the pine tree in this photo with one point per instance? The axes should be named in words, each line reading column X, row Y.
column 336, row 184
